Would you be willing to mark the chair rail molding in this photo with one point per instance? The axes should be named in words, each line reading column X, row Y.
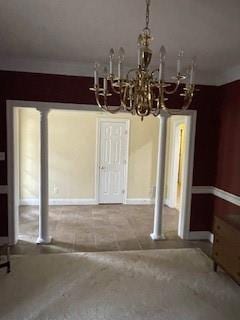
column 3, row 189
column 230, row 197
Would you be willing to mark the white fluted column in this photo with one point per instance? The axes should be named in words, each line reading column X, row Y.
column 157, row 233
column 43, row 237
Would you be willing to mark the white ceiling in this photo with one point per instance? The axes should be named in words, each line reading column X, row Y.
column 80, row 32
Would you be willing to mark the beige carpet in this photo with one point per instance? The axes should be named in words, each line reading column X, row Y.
column 171, row 284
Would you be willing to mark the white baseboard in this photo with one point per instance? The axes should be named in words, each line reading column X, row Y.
column 59, row 202
column 87, row 201
column 139, row 201
column 200, row 235
column 3, row 240
column 167, row 202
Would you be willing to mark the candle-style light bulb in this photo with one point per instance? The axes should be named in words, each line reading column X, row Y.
column 179, row 60
column 96, row 66
column 111, row 55
column 192, row 71
column 105, row 79
column 162, row 63
column 121, row 55
column 162, row 53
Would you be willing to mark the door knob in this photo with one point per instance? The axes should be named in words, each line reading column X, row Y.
column 102, row 167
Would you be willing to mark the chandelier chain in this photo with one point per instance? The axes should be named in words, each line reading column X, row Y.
column 147, row 13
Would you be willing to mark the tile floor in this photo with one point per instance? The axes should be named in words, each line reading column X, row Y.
column 100, row 228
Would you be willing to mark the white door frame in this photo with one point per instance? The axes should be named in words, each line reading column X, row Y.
column 97, row 166
column 186, row 195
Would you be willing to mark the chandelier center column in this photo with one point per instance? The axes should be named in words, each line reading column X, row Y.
column 43, row 237
column 157, row 233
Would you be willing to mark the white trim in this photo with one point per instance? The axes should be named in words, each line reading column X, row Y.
column 202, row 189
column 167, row 202
column 227, row 196
column 3, row 189
column 218, row 193
column 186, row 194
column 3, row 240
column 184, row 221
column 51, row 105
column 140, row 201
column 97, row 164
column 81, row 201
column 59, row 202
column 200, row 235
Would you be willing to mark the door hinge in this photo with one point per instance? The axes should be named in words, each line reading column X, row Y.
column 123, row 191
column 126, row 132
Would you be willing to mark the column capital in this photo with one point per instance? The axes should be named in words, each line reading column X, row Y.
column 43, row 111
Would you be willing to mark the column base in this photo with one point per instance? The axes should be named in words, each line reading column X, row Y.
column 44, row 241
column 156, row 237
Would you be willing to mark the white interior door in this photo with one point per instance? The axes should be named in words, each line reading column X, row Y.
column 112, row 160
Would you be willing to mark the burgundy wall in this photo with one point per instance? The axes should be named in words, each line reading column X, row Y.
column 225, row 174
column 72, row 89
column 228, row 152
column 202, row 212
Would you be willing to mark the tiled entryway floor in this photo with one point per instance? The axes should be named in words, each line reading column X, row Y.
column 100, row 228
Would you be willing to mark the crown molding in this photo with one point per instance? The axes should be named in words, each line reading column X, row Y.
column 228, row 76
column 86, row 70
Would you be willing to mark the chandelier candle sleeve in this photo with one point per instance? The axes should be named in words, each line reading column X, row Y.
column 180, row 55
column 143, row 91
column 111, row 55
column 162, row 63
column 96, row 75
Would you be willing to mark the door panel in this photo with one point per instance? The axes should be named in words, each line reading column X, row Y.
column 112, row 161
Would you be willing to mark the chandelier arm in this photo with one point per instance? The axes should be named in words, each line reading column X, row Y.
column 155, row 70
column 105, row 107
column 130, row 71
column 98, row 100
column 142, row 114
column 188, row 97
column 174, row 89
column 113, row 88
column 123, row 97
column 187, row 103
column 123, row 101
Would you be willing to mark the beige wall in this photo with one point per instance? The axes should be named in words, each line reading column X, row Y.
column 72, row 152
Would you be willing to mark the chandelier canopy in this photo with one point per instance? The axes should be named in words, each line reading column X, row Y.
column 143, row 91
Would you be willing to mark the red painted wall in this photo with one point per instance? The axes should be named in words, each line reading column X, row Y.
column 72, row 89
column 228, row 151
column 226, row 170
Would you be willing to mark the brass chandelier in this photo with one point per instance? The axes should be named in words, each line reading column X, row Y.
column 143, row 91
